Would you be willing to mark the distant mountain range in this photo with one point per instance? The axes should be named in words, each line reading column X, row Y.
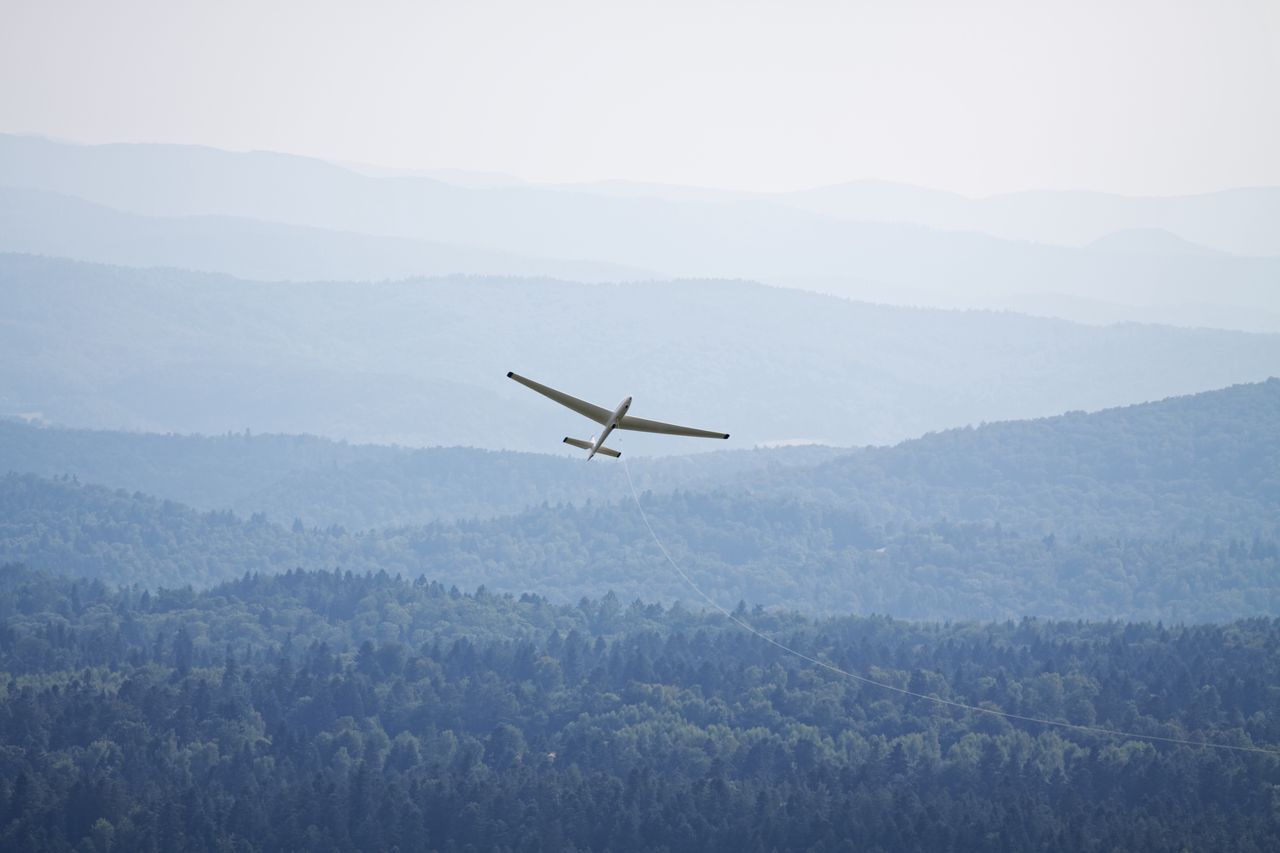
column 422, row 362
column 1242, row 221
column 45, row 223
column 886, row 243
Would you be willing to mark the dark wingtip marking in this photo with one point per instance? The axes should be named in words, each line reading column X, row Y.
column 510, row 373
column 726, row 435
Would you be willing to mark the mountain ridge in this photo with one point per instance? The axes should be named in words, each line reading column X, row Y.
column 57, row 225
column 755, row 238
column 1169, row 510
column 421, row 362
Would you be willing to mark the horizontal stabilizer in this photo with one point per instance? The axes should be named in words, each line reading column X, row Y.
column 586, row 445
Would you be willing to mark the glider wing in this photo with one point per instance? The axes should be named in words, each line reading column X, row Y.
column 599, row 414
column 642, row 425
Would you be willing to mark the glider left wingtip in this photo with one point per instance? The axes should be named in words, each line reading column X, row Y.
column 510, row 374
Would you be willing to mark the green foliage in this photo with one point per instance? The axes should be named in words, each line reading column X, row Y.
column 337, row 711
column 774, row 552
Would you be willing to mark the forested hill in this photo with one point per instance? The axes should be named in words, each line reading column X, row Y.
column 1163, row 511
column 1206, row 465
column 329, row 711
column 764, row 551
column 1201, row 465
column 325, row 482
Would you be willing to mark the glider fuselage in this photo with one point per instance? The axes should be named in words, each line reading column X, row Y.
column 609, row 427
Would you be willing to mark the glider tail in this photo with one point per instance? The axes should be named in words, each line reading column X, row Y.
column 586, row 445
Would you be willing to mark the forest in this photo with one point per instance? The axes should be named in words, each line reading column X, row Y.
column 273, row 642
column 340, row 711
column 1206, row 463
column 1167, row 510
column 770, row 552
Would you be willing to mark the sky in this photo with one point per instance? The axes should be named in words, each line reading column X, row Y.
column 1156, row 98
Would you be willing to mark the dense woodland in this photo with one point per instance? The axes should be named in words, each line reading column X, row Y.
column 323, row 711
column 1163, row 511
column 768, row 552
column 219, row 676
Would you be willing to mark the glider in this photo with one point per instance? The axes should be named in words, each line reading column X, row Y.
column 610, row 420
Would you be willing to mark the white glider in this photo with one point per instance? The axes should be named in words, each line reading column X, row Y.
column 610, row 420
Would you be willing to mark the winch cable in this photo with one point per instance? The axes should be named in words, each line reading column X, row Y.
column 862, row 679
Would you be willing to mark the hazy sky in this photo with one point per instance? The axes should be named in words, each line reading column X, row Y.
column 1138, row 97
